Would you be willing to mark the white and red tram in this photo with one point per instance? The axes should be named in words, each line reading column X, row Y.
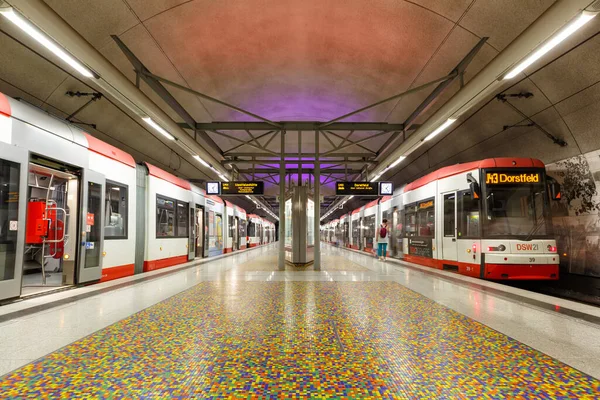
column 488, row 219
column 74, row 209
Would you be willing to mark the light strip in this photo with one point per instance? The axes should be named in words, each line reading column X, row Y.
column 377, row 177
column 561, row 35
column 223, row 178
column 197, row 157
column 398, row 161
column 158, row 128
column 446, row 124
column 44, row 40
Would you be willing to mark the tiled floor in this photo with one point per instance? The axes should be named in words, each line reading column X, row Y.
column 253, row 334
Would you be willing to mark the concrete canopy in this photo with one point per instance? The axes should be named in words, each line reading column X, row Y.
column 316, row 60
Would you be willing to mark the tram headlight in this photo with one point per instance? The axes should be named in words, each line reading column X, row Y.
column 497, row 248
column 551, row 248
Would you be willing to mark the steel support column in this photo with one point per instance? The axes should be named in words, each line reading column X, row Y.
column 317, row 206
column 281, row 259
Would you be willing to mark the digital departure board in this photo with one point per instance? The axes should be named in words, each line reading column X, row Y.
column 242, row 188
column 511, row 178
column 357, row 189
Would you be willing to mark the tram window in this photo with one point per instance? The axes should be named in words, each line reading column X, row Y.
column 182, row 219
column 165, row 217
column 9, row 214
column 426, row 219
column 251, row 229
column 468, row 216
column 231, row 228
column 410, row 224
column 369, row 226
column 115, row 211
column 449, row 214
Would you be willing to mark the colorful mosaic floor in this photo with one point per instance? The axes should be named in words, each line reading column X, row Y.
column 251, row 340
column 328, row 263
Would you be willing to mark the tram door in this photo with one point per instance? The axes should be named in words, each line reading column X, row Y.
column 199, row 230
column 192, row 233
column 236, row 234
column 13, row 203
column 449, row 243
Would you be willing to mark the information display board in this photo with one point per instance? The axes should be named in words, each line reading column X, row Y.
column 357, row 189
column 511, row 177
column 242, row 188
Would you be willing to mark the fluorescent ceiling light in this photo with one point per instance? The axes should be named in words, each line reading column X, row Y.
column 446, row 124
column 376, row 177
column 558, row 37
column 398, row 161
column 197, row 157
column 44, row 40
column 158, row 128
column 350, row 197
column 223, row 178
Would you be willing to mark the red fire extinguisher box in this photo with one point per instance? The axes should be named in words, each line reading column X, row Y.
column 37, row 226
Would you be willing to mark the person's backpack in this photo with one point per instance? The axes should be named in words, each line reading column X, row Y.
column 382, row 232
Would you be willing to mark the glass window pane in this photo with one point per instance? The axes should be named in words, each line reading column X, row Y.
column 165, row 217
column 9, row 213
column 449, row 214
column 219, row 222
column 92, row 252
column 182, row 219
column 115, row 211
column 468, row 215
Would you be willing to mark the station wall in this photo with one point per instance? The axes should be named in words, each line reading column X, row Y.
column 576, row 216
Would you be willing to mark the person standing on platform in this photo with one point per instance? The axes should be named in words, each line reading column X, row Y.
column 382, row 240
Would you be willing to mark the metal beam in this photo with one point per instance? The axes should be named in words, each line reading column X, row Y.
column 249, row 141
column 456, row 72
column 406, row 92
column 295, row 125
column 354, row 143
column 349, row 141
column 204, row 96
column 245, row 143
column 163, row 93
column 304, row 171
column 294, row 155
column 264, row 163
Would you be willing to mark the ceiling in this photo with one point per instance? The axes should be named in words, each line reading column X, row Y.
column 314, row 60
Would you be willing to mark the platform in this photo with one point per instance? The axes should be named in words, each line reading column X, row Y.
column 237, row 327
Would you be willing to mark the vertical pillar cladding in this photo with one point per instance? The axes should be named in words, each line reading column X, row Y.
column 281, row 260
column 317, row 206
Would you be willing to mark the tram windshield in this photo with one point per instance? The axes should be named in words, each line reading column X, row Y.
column 517, row 210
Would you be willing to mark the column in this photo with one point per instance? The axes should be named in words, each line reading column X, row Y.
column 281, row 259
column 317, row 200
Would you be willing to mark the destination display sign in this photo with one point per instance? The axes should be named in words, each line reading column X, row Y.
column 508, row 178
column 357, row 189
column 245, row 188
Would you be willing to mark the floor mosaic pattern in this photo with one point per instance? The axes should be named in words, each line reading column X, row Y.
column 228, row 339
column 328, row 263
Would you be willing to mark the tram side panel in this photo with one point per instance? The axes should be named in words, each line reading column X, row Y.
column 168, row 199
column 419, row 228
column 119, row 215
column 215, row 217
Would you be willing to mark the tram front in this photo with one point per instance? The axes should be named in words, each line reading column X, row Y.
column 517, row 236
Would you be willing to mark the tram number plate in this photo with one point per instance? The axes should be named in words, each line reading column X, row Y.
column 531, row 259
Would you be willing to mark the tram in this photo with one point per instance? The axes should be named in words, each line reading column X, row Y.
column 76, row 210
column 487, row 219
